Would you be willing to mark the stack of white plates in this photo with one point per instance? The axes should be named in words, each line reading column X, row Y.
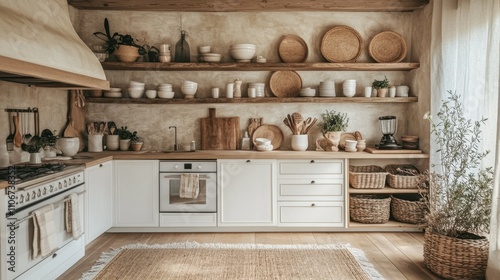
column 349, row 88
column 113, row 92
column 165, row 91
column 327, row 88
column 259, row 88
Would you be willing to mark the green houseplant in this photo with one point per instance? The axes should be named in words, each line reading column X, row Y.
column 459, row 197
column 124, row 134
column 124, row 47
column 332, row 125
column 381, row 86
column 136, row 142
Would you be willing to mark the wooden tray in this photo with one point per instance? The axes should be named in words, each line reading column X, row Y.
column 285, row 83
column 270, row 132
column 341, row 44
column 387, row 47
column 293, row 49
column 374, row 150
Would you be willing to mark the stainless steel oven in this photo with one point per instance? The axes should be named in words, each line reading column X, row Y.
column 170, row 187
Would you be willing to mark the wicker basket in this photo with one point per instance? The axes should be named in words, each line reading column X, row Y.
column 400, row 176
column 407, row 208
column 367, row 177
column 370, row 209
column 454, row 258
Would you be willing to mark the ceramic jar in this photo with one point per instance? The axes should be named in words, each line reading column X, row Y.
column 361, row 146
column 95, row 143
column 124, row 144
column 350, row 145
column 300, row 142
column 112, row 142
column 35, row 158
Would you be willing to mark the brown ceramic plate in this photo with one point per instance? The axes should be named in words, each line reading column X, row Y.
column 270, row 132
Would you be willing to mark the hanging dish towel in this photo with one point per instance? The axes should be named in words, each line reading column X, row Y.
column 72, row 216
column 44, row 231
column 190, row 186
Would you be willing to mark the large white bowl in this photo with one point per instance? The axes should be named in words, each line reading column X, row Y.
column 69, row 145
column 135, row 92
column 189, row 92
column 136, row 84
column 165, row 94
column 242, row 54
column 243, row 46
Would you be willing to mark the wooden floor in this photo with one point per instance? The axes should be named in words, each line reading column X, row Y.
column 394, row 255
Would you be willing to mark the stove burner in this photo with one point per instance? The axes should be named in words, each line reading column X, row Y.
column 28, row 172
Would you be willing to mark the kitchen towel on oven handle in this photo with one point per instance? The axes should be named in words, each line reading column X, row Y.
column 44, row 231
column 190, row 186
column 72, row 216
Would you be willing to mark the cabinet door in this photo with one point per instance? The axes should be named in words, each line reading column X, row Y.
column 99, row 202
column 136, row 193
column 247, row 192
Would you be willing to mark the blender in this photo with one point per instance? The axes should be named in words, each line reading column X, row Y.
column 388, row 126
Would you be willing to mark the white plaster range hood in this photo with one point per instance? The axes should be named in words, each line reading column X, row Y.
column 39, row 47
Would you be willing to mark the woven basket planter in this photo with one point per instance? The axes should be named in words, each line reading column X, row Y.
column 400, row 176
column 370, row 209
column 367, row 177
column 454, row 258
column 408, row 209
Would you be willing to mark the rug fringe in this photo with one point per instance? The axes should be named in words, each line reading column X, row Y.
column 358, row 254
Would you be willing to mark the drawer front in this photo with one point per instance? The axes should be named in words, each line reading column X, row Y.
column 311, row 214
column 188, row 219
column 310, row 190
column 333, row 168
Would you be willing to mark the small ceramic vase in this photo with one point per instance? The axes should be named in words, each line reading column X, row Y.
column 300, row 142
column 35, row 158
column 112, row 142
column 361, row 146
column 124, row 144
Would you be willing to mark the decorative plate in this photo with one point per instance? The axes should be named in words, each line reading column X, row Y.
column 270, row 132
column 292, row 49
column 387, row 47
column 285, row 83
column 341, row 44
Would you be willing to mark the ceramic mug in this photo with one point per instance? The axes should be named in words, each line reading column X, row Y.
column 402, row 91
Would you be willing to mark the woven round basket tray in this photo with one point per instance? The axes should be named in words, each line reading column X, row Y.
column 341, row 44
column 403, row 176
column 387, row 47
column 285, row 83
column 408, row 209
column 292, row 49
column 455, row 258
column 367, row 177
column 370, row 209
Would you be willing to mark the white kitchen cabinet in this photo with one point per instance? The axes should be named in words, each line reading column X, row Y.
column 99, row 200
column 311, row 193
column 247, row 193
column 136, row 193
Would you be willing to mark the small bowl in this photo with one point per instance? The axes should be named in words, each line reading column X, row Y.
column 242, row 54
column 188, row 91
column 165, row 94
column 151, row 93
column 112, row 94
column 243, row 46
column 262, row 141
column 135, row 93
column 115, row 89
column 265, row 148
column 136, row 84
column 204, row 49
column 211, row 59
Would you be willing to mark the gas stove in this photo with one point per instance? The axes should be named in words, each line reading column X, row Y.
column 22, row 173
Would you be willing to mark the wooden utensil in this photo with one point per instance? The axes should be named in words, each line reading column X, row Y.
column 18, row 140
column 220, row 133
column 10, row 139
column 311, row 125
column 297, row 120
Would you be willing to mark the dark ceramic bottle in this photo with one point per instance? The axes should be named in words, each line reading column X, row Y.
column 182, row 53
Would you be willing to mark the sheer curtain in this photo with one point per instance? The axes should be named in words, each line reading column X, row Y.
column 465, row 58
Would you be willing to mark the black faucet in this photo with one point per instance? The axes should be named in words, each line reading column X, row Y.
column 176, row 146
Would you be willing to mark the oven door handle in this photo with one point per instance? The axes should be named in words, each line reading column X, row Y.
column 179, row 176
column 56, row 204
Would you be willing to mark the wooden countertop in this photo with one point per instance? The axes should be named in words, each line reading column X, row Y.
column 91, row 159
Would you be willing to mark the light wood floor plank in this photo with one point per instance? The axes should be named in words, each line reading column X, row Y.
column 233, row 238
column 273, row 238
column 202, row 237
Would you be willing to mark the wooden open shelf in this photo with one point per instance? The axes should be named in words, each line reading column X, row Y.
column 253, row 100
column 381, row 191
column 233, row 66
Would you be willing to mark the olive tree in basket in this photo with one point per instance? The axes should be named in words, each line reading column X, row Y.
column 459, row 197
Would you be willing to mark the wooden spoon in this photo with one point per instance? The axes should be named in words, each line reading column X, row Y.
column 297, row 120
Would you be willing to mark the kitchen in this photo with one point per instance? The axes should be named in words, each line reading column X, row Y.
column 219, row 30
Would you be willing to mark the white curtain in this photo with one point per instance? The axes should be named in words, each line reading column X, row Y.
column 466, row 58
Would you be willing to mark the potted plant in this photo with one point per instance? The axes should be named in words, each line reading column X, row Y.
column 136, row 142
column 332, row 126
column 124, row 134
column 152, row 52
column 122, row 46
column 459, row 197
column 36, row 144
column 381, row 86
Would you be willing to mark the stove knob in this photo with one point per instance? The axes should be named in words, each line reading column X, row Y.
column 33, row 195
column 39, row 193
column 199, row 166
column 60, row 185
column 65, row 184
column 69, row 182
column 21, row 198
column 44, row 190
column 51, row 188
column 74, row 180
column 27, row 197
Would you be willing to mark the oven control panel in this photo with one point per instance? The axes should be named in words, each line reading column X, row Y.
column 41, row 191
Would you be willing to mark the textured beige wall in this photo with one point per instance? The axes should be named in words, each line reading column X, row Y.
column 265, row 30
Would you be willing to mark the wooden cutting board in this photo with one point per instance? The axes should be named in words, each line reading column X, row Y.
column 220, row 133
column 373, row 150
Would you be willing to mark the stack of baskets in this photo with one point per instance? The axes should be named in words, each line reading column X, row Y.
column 368, row 209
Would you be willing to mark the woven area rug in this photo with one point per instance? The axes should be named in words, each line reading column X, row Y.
column 193, row 260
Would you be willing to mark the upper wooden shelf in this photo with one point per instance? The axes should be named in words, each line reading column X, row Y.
column 268, row 5
column 233, row 66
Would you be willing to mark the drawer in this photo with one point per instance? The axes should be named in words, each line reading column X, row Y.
column 333, row 168
column 188, row 219
column 311, row 214
column 311, row 190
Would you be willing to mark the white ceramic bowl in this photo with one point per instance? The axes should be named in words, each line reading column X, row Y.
column 244, row 46
column 135, row 92
column 189, row 84
column 264, row 148
column 115, row 89
column 136, row 84
column 165, row 94
column 262, row 141
column 204, row 49
column 151, row 93
column 189, row 92
column 69, row 145
column 349, row 93
column 242, row 54
column 307, row 92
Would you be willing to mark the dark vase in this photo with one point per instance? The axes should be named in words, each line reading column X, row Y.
column 182, row 49
column 153, row 56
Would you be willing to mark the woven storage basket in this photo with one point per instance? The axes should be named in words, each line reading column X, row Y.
column 370, row 209
column 387, row 47
column 408, row 209
column 454, row 258
column 367, row 177
column 400, row 176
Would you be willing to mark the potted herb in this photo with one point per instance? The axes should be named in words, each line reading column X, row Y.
column 122, row 46
column 35, row 144
column 459, row 198
column 381, row 86
column 136, row 142
column 332, row 126
column 124, row 134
